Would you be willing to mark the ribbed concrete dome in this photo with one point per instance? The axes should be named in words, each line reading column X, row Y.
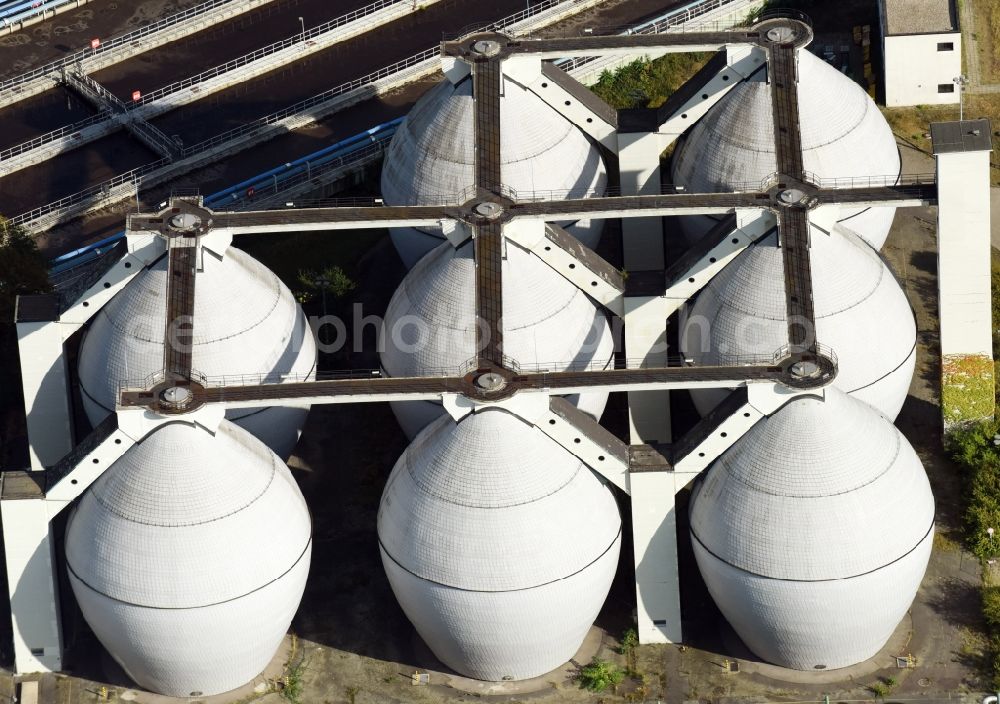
column 430, row 325
column 843, row 135
column 813, row 532
column 246, row 321
column 499, row 545
column 432, row 156
column 861, row 313
column 189, row 556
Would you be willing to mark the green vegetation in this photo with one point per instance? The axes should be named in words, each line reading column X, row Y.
column 647, row 84
column 23, row 270
column 629, row 642
column 987, row 20
column 967, row 389
column 284, row 253
column 991, row 614
column 599, row 675
column 331, row 281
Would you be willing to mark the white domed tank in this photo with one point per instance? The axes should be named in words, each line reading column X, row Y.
column 843, row 135
column 432, row 157
column 430, row 325
column 189, row 556
column 246, row 321
column 500, row 545
column 813, row 532
column 861, row 313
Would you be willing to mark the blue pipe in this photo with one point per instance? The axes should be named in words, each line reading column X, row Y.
column 10, row 12
column 313, row 159
column 345, row 146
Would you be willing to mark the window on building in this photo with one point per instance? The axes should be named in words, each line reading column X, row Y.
column 946, row 87
column 946, row 46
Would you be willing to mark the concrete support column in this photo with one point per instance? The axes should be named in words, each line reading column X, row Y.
column 962, row 150
column 646, row 343
column 639, row 166
column 44, row 383
column 31, row 577
column 654, row 535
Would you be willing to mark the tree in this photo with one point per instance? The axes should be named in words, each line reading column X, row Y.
column 23, row 269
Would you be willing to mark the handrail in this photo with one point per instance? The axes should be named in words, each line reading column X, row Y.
column 298, row 38
column 135, row 175
column 110, row 45
column 675, row 20
column 302, row 105
column 52, row 136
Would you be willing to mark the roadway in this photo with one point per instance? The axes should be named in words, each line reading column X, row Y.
column 74, row 171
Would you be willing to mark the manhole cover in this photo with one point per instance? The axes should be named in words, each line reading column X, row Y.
column 488, row 210
column 924, row 682
column 781, row 34
column 486, row 47
column 185, row 222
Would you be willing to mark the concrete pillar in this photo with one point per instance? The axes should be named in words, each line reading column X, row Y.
column 44, row 379
column 639, row 166
column 31, row 577
column 654, row 536
column 646, row 344
column 962, row 150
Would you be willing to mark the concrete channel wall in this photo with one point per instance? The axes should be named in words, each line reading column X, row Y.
column 126, row 46
column 42, row 15
column 702, row 14
column 214, row 80
column 125, row 186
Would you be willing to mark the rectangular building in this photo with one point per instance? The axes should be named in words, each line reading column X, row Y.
column 922, row 51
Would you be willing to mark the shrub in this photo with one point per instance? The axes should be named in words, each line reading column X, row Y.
column 599, row 675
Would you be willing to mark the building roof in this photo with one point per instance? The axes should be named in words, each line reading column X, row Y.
column 964, row 136
column 920, row 16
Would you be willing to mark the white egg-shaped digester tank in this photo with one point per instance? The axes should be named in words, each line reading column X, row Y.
column 246, row 322
column 861, row 313
column 813, row 532
column 189, row 556
column 843, row 135
column 430, row 325
column 500, row 545
column 432, row 157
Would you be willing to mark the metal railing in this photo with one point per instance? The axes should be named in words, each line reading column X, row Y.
column 887, row 181
column 678, row 20
column 267, row 120
column 270, row 49
column 415, row 64
column 260, row 201
column 114, row 43
column 54, row 135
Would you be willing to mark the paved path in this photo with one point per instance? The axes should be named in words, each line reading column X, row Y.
column 971, row 42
